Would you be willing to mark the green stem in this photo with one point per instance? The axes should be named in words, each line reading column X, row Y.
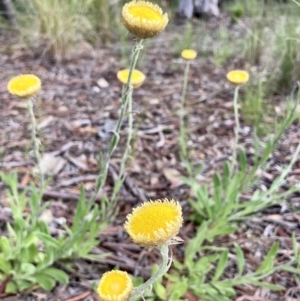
column 182, row 127
column 237, row 122
column 126, row 99
column 36, row 141
column 164, row 267
column 121, row 176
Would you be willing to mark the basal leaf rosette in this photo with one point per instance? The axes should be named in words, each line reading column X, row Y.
column 144, row 19
column 24, row 85
column 189, row 54
column 137, row 77
column 115, row 286
column 238, row 77
column 154, row 223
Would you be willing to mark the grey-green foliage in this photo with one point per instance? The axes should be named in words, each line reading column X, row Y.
column 203, row 271
column 224, row 206
column 219, row 210
column 29, row 253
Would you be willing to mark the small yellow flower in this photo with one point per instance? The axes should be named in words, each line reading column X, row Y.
column 24, row 85
column 115, row 286
column 189, row 54
column 137, row 77
column 154, row 223
column 144, row 19
column 238, row 77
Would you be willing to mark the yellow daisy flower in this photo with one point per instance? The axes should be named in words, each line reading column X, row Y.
column 115, row 286
column 137, row 77
column 144, row 19
column 24, row 85
column 189, row 54
column 238, row 77
column 154, row 223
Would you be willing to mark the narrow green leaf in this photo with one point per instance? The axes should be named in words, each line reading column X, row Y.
column 11, row 288
column 42, row 227
column 223, row 290
column 11, row 230
column 203, row 265
column 160, row 290
column 240, row 259
column 5, row 265
column 80, row 212
column 5, row 246
column 178, row 289
column 27, row 268
column 95, row 257
column 57, row 274
column 226, row 174
column 46, row 282
column 177, row 265
column 23, row 255
column 217, row 191
column 194, row 244
column 221, row 265
column 268, row 262
column 269, row 286
column 48, row 240
column 242, row 160
column 23, row 284
column 31, row 239
column 32, row 252
column 295, row 245
column 291, row 270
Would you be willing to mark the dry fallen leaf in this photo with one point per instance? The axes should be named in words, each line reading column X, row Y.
column 45, row 122
column 174, row 176
column 50, row 164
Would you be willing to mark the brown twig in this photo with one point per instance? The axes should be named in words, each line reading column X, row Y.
column 79, row 297
column 3, row 284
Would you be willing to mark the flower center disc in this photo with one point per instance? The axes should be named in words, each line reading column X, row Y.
column 116, row 288
column 156, row 217
column 145, row 13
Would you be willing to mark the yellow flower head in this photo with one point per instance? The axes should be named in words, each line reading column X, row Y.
column 137, row 77
column 154, row 223
column 189, row 54
column 24, row 85
column 144, row 19
column 238, row 77
column 115, row 286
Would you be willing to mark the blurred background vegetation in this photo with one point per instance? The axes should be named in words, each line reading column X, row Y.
column 261, row 36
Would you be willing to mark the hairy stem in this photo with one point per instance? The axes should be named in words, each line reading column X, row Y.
column 126, row 99
column 182, row 126
column 164, row 267
column 237, row 122
column 36, row 141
